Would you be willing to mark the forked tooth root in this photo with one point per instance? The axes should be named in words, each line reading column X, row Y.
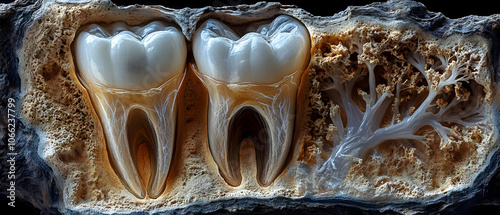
column 263, row 114
column 133, row 75
column 252, row 84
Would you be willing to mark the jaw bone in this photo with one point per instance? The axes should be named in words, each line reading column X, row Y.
column 252, row 83
column 133, row 75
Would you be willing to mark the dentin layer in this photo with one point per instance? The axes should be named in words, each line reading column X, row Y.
column 252, row 83
column 133, row 75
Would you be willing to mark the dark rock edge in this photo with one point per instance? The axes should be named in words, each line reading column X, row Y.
column 38, row 192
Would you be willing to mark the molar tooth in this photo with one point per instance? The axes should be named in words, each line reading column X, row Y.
column 252, row 84
column 133, row 75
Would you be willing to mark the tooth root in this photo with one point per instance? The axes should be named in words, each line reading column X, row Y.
column 113, row 114
column 246, row 123
column 140, row 135
column 263, row 114
column 166, row 114
column 279, row 115
column 225, row 155
column 128, row 126
column 132, row 120
column 229, row 165
column 249, row 123
column 153, row 168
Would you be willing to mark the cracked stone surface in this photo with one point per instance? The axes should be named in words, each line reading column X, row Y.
column 382, row 59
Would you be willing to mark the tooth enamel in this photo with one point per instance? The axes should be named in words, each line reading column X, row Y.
column 137, row 59
column 265, row 56
column 252, row 84
column 133, row 75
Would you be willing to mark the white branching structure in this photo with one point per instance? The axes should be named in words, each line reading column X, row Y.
column 373, row 105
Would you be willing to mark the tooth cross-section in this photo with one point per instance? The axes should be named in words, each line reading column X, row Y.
column 133, row 75
column 252, row 83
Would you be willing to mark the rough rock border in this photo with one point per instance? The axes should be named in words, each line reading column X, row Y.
column 44, row 193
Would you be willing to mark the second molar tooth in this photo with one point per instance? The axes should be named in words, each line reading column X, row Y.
column 252, row 84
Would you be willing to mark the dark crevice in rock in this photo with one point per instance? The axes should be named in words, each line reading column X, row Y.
column 37, row 186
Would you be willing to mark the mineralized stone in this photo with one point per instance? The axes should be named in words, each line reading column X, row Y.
column 395, row 112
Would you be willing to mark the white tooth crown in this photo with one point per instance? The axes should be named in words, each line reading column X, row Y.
column 252, row 84
column 125, row 57
column 273, row 51
column 133, row 75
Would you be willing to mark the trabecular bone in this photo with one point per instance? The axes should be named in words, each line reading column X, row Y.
column 390, row 109
column 252, row 83
column 133, row 75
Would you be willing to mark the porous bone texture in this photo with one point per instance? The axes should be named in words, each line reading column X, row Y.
column 397, row 106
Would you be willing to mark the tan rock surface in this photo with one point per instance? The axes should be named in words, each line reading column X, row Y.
column 73, row 144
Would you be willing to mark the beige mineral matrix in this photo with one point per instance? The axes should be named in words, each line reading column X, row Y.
column 263, row 108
